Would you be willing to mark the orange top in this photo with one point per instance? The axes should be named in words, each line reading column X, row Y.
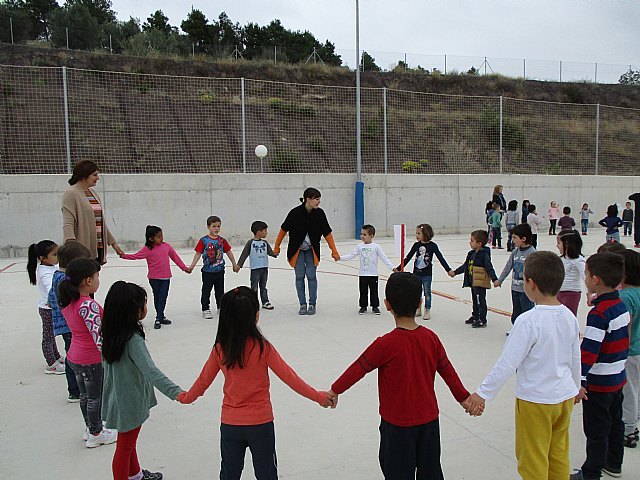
column 246, row 390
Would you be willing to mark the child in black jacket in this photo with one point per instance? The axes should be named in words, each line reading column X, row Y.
column 478, row 274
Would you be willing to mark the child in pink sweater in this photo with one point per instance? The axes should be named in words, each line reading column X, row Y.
column 157, row 254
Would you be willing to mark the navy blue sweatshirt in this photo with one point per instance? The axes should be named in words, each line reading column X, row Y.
column 423, row 265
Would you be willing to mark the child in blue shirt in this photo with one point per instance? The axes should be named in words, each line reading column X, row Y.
column 258, row 251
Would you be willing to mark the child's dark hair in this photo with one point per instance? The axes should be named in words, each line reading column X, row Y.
column 546, row 271
column 631, row 267
column 149, row 233
column 238, row 310
column 611, row 247
column 513, row 205
column 403, row 292
column 566, row 210
column 71, row 250
column 608, row 266
column 370, row 229
column 480, row 236
column 257, row 226
column 121, row 318
column 427, row 231
column 489, row 206
column 523, row 230
column 37, row 250
column 213, row 219
column 532, row 208
column 77, row 271
column 311, row 193
column 612, row 211
column 571, row 243
column 526, row 203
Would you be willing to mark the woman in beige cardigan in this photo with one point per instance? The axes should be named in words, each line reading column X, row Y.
column 83, row 217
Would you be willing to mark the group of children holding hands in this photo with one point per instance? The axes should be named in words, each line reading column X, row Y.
column 113, row 376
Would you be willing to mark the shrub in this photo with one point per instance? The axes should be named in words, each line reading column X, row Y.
column 290, row 108
column 284, row 161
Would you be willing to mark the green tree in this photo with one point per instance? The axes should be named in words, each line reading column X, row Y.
column 20, row 20
column 196, row 26
column 120, row 32
column 368, row 63
column 158, row 21
column 631, row 77
column 99, row 9
column 84, row 30
column 39, row 12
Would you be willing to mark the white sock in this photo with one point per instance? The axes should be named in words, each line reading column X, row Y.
column 138, row 476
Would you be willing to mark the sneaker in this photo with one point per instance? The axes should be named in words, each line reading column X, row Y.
column 577, row 475
column 105, row 437
column 165, row 321
column 426, row 315
column 85, row 435
column 267, row 306
column 612, row 471
column 376, row 310
column 470, row 320
column 147, row 475
column 55, row 369
column 630, row 441
column 303, row 309
column 73, row 398
column 207, row 314
column 157, row 324
column 636, row 434
column 362, row 310
column 418, row 313
column 479, row 324
column 311, row 310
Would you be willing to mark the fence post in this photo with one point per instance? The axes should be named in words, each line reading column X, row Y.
column 244, row 130
column 67, row 135
column 596, row 74
column 275, row 54
column 445, row 63
column 597, row 136
column 560, row 71
column 500, row 155
column 384, row 114
column 11, row 28
column 524, row 68
column 66, row 29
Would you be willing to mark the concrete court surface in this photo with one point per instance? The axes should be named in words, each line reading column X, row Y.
column 40, row 433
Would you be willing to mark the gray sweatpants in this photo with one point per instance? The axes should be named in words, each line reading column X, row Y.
column 259, row 278
column 631, row 392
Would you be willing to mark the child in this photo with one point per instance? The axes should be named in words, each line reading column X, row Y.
column 409, row 424
column 424, row 250
column 212, row 248
column 612, row 221
column 129, row 376
column 630, row 296
column 41, row 274
column 511, row 220
column 525, row 210
column 258, row 251
column 553, row 212
column 369, row 253
column 71, row 250
column 495, row 222
column 157, row 254
column 84, row 317
column 522, row 249
column 570, row 247
column 584, row 217
column 566, row 222
column 245, row 357
column 627, row 219
column 543, row 351
column 478, row 273
column 534, row 221
column 604, row 351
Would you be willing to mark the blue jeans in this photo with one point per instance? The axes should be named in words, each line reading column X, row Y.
column 521, row 304
column 306, row 268
column 628, row 228
column 160, row 290
column 426, row 286
column 510, row 237
column 585, row 225
column 613, row 237
column 261, row 440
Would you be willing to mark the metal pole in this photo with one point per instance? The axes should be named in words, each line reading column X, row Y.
column 275, row 54
column 358, row 140
column 406, row 66
column 67, row 33
column 524, row 68
column 595, row 76
column 597, row 135
column 244, row 130
column 485, row 65
column 384, row 115
column 11, row 28
column 110, row 45
column 560, row 70
column 445, row 63
column 67, row 134
column 500, row 155
column 193, row 49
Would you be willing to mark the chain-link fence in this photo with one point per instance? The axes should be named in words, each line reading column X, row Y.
column 132, row 123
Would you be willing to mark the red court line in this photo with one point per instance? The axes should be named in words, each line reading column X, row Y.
column 7, row 267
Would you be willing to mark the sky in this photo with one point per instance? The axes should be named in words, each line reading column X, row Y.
column 589, row 31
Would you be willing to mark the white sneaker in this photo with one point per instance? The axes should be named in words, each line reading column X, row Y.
column 105, row 437
column 426, row 315
column 56, row 369
column 207, row 314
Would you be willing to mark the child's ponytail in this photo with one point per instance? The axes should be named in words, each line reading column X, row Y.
column 77, row 271
column 123, row 308
column 37, row 250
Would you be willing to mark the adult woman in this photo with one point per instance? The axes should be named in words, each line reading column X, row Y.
column 498, row 198
column 305, row 224
column 83, row 217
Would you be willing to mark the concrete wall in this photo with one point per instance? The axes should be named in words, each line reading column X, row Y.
column 180, row 204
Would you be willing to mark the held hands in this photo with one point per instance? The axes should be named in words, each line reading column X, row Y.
column 117, row 249
column 451, row 273
column 183, row 398
column 497, row 283
column 188, row 270
column 474, row 405
column 335, row 256
column 276, row 250
column 331, row 399
column 582, row 395
column 236, row 268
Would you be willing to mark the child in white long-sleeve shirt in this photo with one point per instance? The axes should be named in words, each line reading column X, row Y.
column 534, row 221
column 369, row 253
